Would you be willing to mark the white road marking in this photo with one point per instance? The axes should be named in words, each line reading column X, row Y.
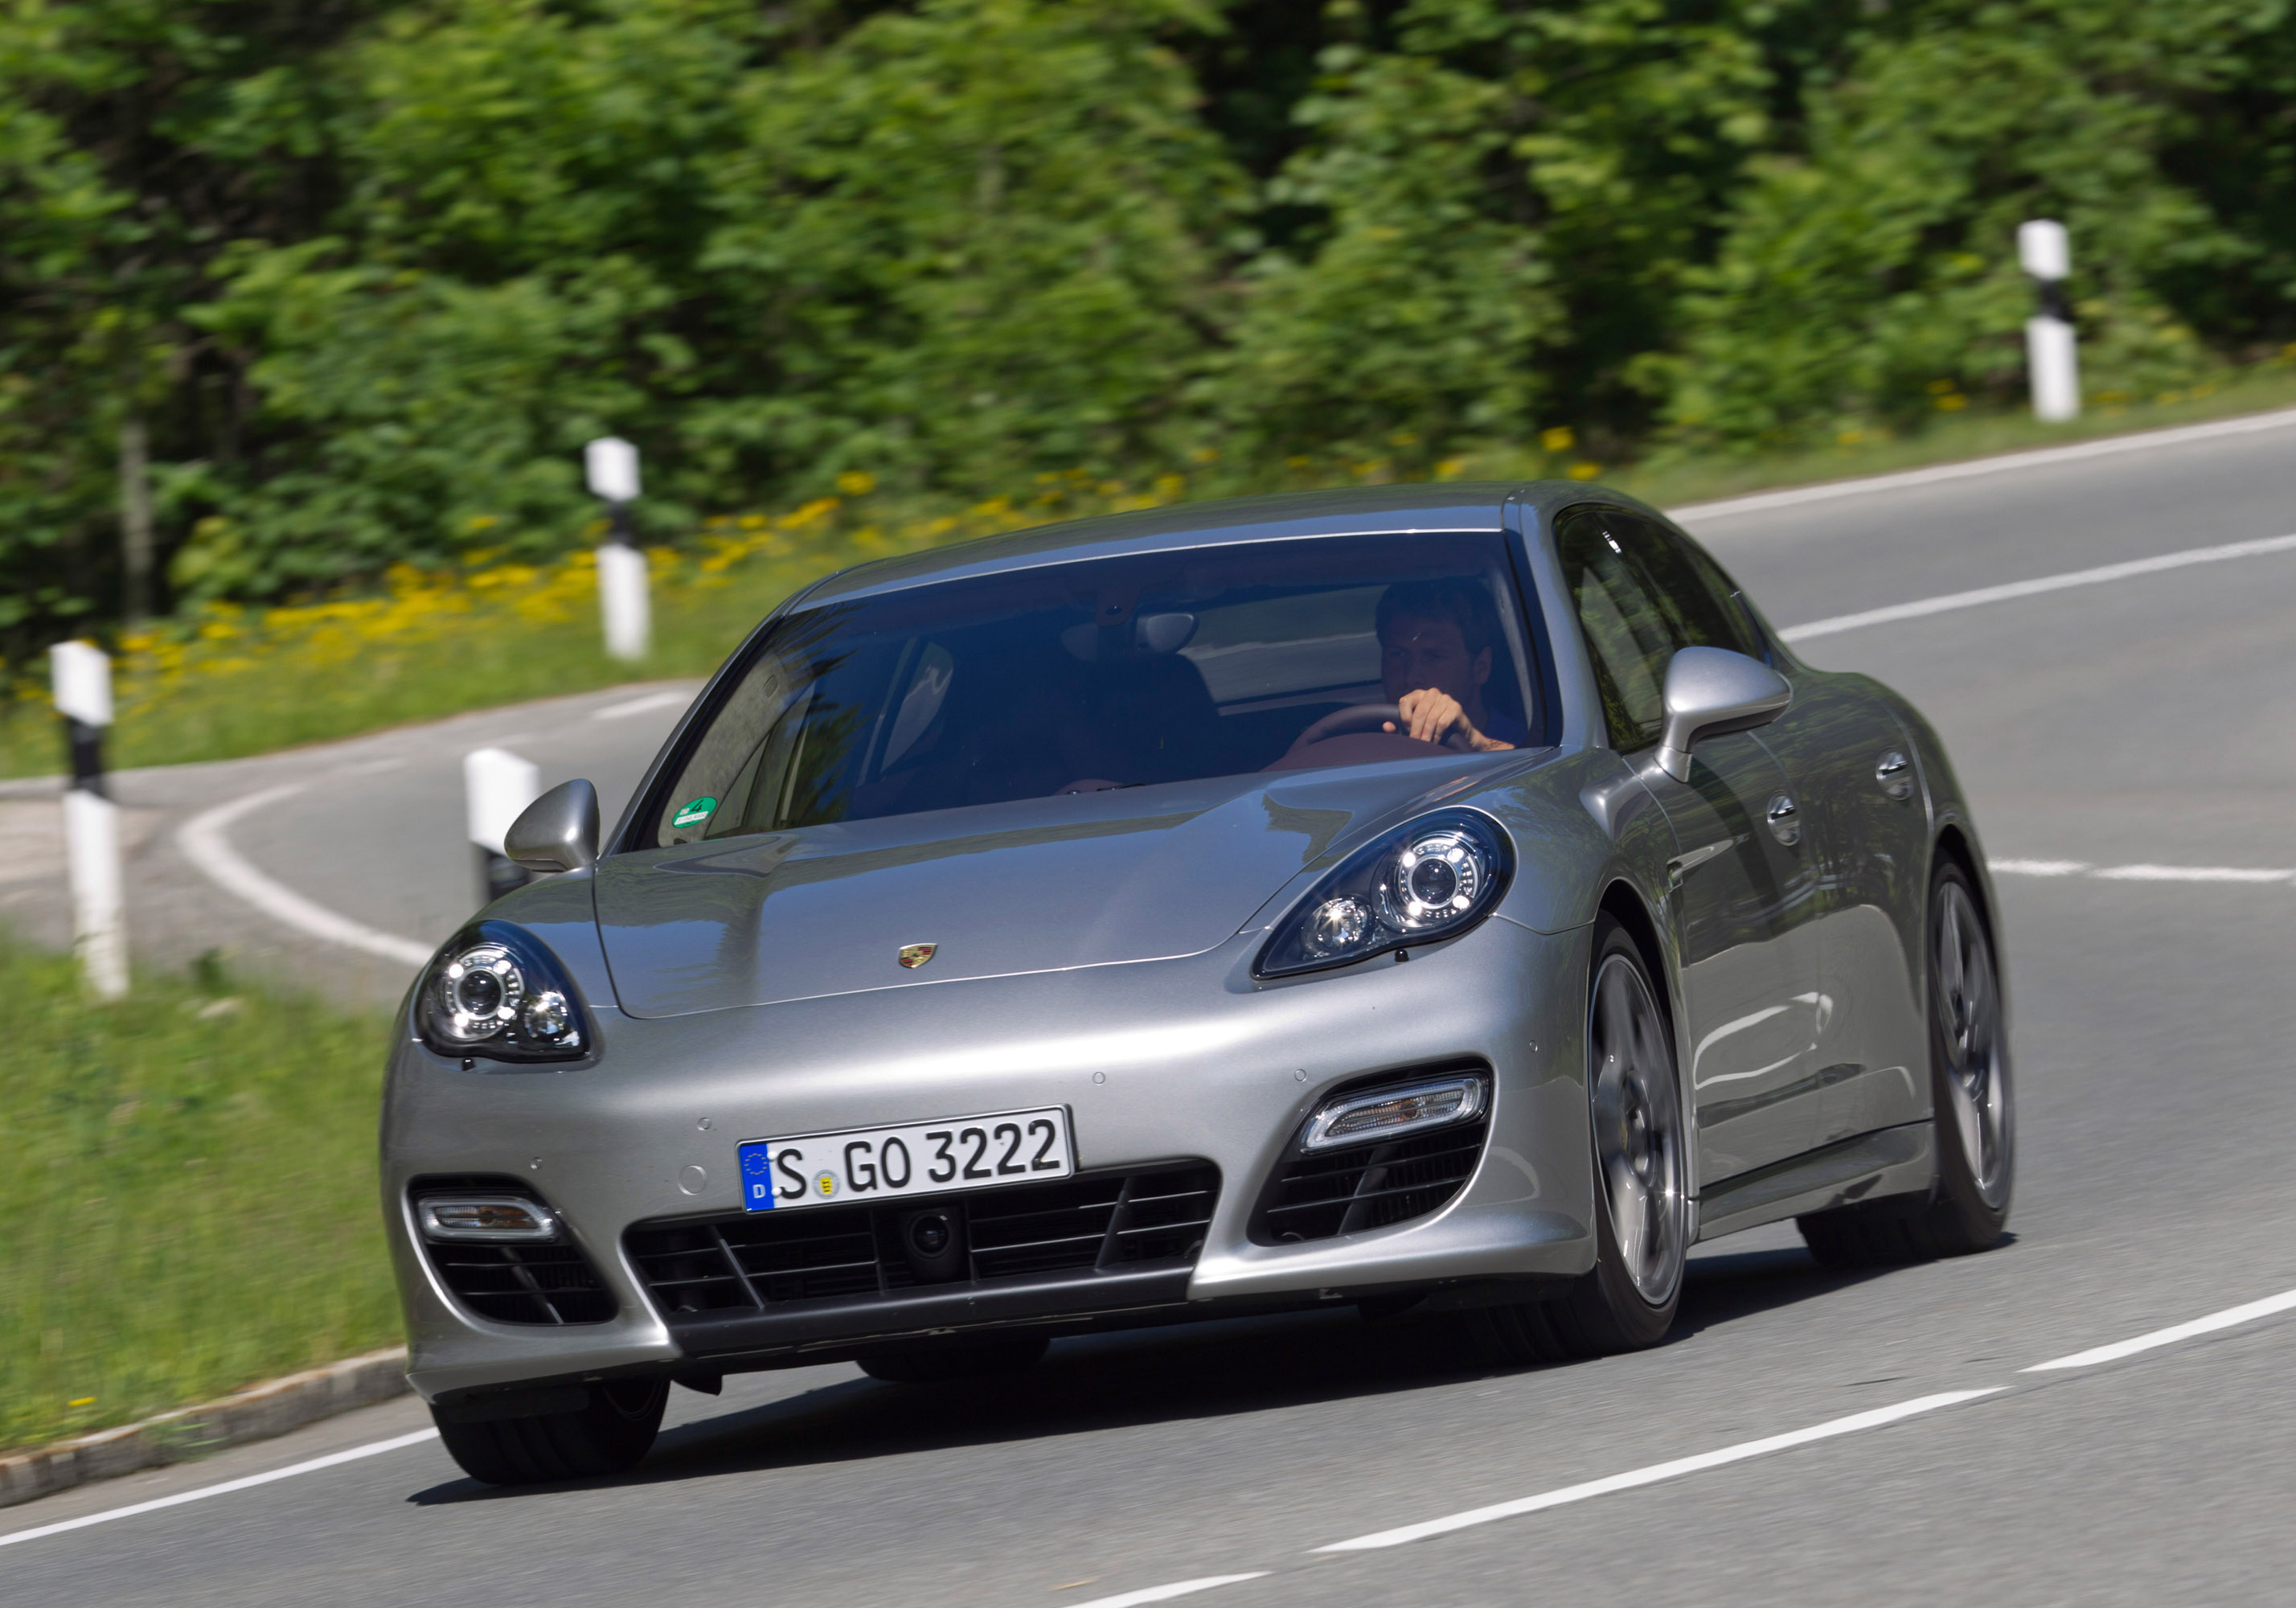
column 2144, row 873
column 1165, row 1593
column 2193, row 873
column 205, row 843
column 642, row 706
column 371, row 1449
column 1952, row 601
column 1661, row 1471
column 1632, row 1479
column 2228, row 1318
column 2007, row 462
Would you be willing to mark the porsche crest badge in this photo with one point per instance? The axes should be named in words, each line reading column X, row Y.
column 914, row 956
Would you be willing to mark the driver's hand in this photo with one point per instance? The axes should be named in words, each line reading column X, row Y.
column 1428, row 713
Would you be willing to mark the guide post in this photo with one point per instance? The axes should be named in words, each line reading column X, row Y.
column 2051, row 362
column 613, row 467
column 497, row 785
column 82, row 679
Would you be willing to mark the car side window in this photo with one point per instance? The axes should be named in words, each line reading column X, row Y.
column 1641, row 595
column 1736, row 611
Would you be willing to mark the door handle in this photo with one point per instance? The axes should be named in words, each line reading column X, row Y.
column 1894, row 773
column 1785, row 821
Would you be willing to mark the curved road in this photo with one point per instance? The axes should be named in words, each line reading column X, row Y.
column 2131, row 746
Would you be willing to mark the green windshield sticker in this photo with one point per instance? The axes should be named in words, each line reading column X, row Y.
column 694, row 813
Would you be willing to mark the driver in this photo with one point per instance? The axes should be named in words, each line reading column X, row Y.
column 1435, row 651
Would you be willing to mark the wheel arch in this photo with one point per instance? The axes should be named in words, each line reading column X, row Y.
column 1956, row 843
column 1952, row 844
column 1623, row 902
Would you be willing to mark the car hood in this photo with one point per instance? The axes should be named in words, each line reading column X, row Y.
column 1036, row 885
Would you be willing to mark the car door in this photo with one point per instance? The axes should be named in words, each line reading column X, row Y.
column 1743, row 883
column 1848, row 761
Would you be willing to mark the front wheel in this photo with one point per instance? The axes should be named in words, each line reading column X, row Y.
column 1975, row 1130
column 607, row 1434
column 1642, row 1214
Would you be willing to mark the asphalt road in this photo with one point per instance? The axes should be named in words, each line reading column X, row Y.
column 2149, row 722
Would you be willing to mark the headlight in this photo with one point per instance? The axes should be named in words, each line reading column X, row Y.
column 1435, row 877
column 498, row 991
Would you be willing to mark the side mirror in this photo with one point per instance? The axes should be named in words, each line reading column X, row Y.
column 1709, row 692
column 559, row 831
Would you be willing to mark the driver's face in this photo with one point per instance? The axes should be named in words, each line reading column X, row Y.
column 1423, row 655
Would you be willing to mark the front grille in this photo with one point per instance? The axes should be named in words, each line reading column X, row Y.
column 1318, row 1194
column 1095, row 1222
column 551, row 1282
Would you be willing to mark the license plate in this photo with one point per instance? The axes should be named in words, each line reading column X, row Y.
column 923, row 1157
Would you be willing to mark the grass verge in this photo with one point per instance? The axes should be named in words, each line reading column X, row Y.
column 189, row 1196
column 231, row 682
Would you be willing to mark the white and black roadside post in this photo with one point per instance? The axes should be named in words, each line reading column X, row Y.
column 2050, row 360
column 497, row 785
column 612, row 465
column 83, row 690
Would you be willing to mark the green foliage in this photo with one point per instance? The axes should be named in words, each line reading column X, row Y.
column 1416, row 318
column 1629, row 123
column 419, row 416
column 971, row 239
column 1874, row 277
column 371, row 270
column 189, row 1196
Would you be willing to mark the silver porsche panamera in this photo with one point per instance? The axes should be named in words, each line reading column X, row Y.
column 1445, row 899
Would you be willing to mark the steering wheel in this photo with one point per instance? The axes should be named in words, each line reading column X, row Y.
column 1371, row 718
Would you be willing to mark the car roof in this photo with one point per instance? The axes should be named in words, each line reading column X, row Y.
column 1344, row 511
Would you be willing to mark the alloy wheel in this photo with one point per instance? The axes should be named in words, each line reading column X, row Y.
column 1639, row 1153
column 1965, row 992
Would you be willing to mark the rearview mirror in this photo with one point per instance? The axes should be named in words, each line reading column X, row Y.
column 1709, row 692
column 559, row 831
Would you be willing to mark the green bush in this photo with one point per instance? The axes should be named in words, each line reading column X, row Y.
column 368, row 272
column 1872, row 280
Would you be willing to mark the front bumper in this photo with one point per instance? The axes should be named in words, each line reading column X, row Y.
column 1179, row 1059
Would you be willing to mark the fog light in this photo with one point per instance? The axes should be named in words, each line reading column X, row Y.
column 1385, row 1113
column 494, row 1218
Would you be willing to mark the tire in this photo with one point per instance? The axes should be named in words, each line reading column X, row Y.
column 607, row 1435
column 933, row 1365
column 1974, row 1113
column 1641, row 1169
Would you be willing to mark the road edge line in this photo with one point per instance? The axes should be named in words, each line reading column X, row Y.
column 310, row 1465
column 204, row 842
column 2005, row 462
column 276, row 1406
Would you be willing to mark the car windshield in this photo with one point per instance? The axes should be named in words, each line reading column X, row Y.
column 1111, row 672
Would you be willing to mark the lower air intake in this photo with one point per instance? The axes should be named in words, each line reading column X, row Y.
column 1322, row 1193
column 545, row 1282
